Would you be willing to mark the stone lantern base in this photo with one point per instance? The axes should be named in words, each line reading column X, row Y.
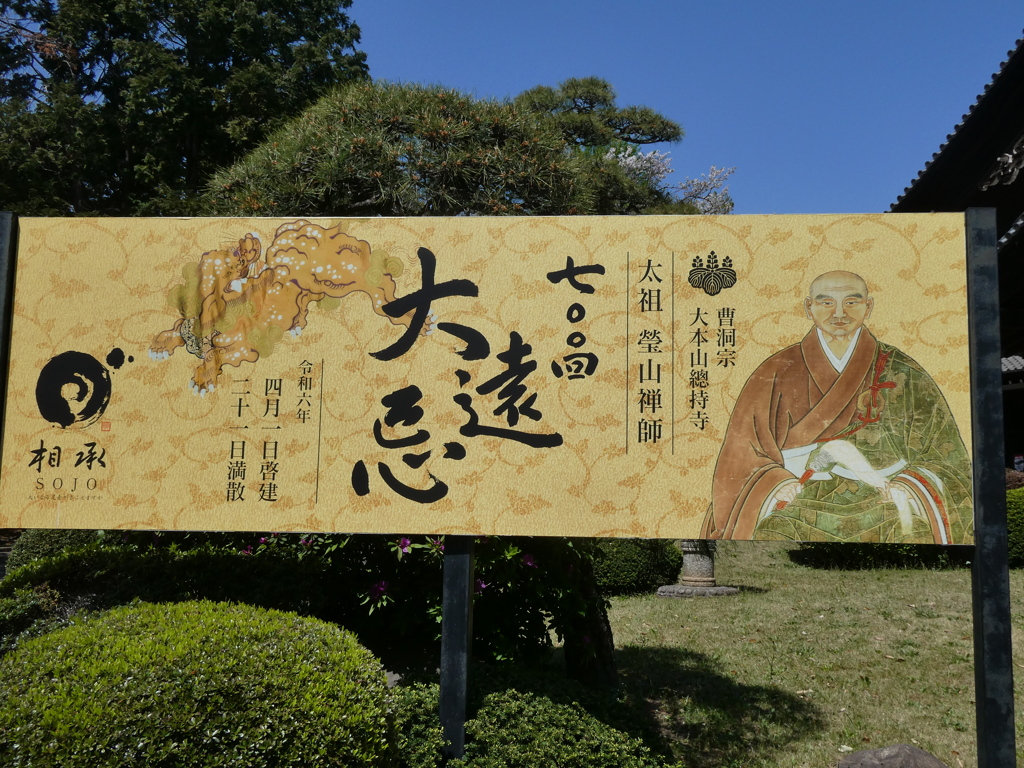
column 698, row 577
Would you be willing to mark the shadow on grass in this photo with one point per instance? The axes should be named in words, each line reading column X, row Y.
column 751, row 590
column 707, row 717
column 682, row 704
column 740, row 587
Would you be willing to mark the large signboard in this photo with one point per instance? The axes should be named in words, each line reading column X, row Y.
column 778, row 377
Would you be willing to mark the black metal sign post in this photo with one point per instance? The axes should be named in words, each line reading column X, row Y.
column 993, row 653
column 8, row 244
column 456, row 638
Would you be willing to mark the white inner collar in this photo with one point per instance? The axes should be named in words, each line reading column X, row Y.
column 839, row 363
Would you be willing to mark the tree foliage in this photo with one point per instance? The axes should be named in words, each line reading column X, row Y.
column 584, row 111
column 709, row 194
column 127, row 106
column 409, row 150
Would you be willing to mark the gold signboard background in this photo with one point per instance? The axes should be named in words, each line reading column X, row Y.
column 283, row 443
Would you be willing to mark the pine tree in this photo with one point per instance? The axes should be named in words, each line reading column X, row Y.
column 407, row 150
column 117, row 107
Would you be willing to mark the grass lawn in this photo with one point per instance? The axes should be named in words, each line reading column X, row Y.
column 804, row 663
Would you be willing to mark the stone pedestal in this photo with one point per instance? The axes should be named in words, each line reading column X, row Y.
column 896, row 756
column 698, row 576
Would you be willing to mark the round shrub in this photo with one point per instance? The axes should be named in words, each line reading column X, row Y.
column 524, row 730
column 194, row 684
column 25, row 609
column 419, row 736
column 37, row 543
column 513, row 729
column 630, row 566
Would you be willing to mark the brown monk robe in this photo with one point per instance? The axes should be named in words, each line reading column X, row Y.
column 870, row 453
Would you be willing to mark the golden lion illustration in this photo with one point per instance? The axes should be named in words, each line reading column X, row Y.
column 234, row 306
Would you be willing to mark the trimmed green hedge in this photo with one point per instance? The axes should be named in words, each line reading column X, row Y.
column 194, row 684
column 37, row 543
column 103, row 578
column 420, row 738
column 523, row 730
column 631, row 566
column 513, row 729
column 847, row 556
column 28, row 611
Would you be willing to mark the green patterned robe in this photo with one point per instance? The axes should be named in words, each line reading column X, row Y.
column 885, row 405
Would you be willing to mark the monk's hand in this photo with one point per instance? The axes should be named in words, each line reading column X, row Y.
column 905, row 505
column 785, row 494
column 898, row 495
column 894, row 493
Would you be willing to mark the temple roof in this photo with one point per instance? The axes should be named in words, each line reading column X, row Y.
column 1013, row 363
column 979, row 162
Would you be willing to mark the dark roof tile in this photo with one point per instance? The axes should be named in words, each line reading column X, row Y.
column 1013, row 363
column 964, row 118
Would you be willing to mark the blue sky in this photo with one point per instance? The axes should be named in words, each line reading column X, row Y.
column 823, row 107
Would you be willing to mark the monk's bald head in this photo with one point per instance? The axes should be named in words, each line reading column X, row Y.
column 838, row 280
column 838, row 303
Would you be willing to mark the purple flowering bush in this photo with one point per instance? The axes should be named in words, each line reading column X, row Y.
column 525, row 589
column 387, row 589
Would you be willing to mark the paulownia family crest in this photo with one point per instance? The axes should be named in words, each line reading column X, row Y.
column 713, row 278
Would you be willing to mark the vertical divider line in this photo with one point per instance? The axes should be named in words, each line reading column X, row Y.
column 626, row 419
column 672, row 346
column 319, row 435
column 8, row 260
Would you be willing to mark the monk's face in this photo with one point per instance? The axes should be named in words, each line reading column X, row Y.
column 838, row 303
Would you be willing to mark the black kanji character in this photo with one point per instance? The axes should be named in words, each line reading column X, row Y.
column 402, row 409
column 578, row 365
column 511, row 382
column 419, row 303
column 90, row 457
column 571, row 272
column 361, row 484
column 477, row 347
column 473, row 428
column 435, row 492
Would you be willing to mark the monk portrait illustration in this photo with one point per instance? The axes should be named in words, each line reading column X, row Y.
column 841, row 437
